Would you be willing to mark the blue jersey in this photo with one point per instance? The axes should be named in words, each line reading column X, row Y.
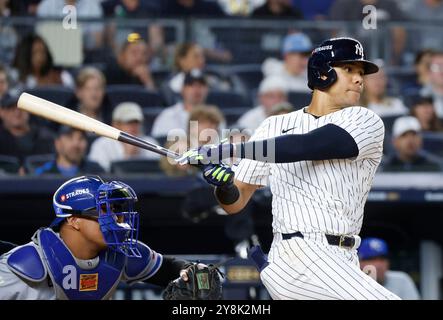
column 46, row 269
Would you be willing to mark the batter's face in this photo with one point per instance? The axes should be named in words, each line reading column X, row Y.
column 347, row 89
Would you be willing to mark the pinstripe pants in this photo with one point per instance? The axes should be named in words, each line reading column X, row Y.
column 308, row 269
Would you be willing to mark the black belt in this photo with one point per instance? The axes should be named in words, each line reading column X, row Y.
column 341, row 241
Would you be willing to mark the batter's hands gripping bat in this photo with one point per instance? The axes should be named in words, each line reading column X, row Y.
column 57, row 113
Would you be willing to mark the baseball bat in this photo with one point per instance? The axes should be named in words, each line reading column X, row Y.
column 57, row 113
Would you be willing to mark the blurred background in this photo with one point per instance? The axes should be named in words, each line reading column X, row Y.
column 149, row 67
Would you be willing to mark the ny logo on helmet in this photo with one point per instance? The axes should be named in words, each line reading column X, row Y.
column 359, row 49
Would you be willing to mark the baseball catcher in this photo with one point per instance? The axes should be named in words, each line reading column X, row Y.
column 91, row 247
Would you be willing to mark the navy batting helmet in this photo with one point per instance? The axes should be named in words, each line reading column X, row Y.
column 332, row 51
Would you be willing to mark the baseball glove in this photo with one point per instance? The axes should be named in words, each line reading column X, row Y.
column 204, row 283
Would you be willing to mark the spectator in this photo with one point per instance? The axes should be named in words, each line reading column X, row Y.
column 189, row 56
column 90, row 93
column 205, row 123
column 131, row 8
column 186, row 8
column 277, row 9
column 272, row 91
column 423, row 109
column 17, row 137
column 387, row 10
column 281, row 108
column 35, row 65
column 375, row 96
column 8, row 36
column 373, row 255
column 4, row 83
column 128, row 117
column 295, row 51
column 435, row 86
column 70, row 146
column 313, row 9
column 85, row 9
column 204, row 127
column 407, row 142
column 194, row 93
column 132, row 64
column 422, row 72
column 125, row 10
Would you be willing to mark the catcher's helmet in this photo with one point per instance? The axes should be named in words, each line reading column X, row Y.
column 111, row 203
column 332, row 51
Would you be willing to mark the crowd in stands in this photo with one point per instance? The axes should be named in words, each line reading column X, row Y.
column 151, row 87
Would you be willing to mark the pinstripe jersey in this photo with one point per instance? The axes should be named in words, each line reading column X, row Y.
column 319, row 196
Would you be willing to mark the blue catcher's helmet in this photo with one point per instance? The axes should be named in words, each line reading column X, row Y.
column 333, row 51
column 112, row 203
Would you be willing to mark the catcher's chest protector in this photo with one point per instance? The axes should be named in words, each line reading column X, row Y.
column 73, row 283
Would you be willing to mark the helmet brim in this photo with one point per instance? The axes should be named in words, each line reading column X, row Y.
column 369, row 66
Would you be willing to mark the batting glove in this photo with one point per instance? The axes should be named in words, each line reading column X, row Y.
column 207, row 154
column 218, row 175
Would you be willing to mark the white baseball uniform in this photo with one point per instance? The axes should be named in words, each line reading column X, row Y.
column 318, row 198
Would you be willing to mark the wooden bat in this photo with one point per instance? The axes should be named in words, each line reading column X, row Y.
column 57, row 113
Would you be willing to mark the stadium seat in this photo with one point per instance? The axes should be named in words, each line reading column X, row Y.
column 9, row 164
column 433, row 143
column 135, row 166
column 226, row 99
column 138, row 94
column 249, row 74
column 35, row 161
column 57, row 94
column 299, row 99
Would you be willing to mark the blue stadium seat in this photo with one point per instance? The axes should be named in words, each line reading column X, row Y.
column 135, row 166
column 37, row 160
column 433, row 142
column 299, row 99
column 133, row 93
column 249, row 74
column 57, row 94
column 227, row 99
column 9, row 164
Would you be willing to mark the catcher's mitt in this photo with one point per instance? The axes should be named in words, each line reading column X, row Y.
column 204, row 283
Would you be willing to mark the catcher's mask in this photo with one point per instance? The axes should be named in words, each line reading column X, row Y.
column 111, row 203
column 118, row 220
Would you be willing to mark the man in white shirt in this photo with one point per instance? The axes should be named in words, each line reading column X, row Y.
column 128, row 117
column 194, row 93
column 295, row 51
column 373, row 255
column 272, row 91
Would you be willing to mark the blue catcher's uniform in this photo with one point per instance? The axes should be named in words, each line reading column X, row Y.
column 46, row 269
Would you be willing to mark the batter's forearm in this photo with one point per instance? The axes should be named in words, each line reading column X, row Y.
column 234, row 197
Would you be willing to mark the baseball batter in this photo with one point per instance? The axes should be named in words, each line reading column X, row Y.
column 90, row 247
column 319, row 164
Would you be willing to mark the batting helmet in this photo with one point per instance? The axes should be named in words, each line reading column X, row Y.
column 321, row 74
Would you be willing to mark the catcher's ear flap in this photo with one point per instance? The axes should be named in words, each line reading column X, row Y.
column 320, row 72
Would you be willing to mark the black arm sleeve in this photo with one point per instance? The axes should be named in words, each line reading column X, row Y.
column 169, row 270
column 327, row 142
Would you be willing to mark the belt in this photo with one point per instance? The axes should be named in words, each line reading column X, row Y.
column 340, row 241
